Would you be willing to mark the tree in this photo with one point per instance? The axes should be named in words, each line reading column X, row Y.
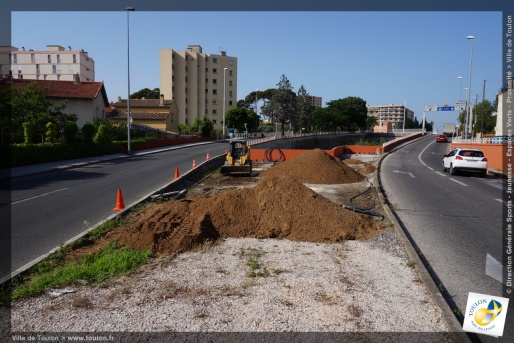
column 238, row 117
column 483, row 109
column 281, row 107
column 30, row 104
column 349, row 113
column 371, row 121
column 304, row 108
column 203, row 127
column 146, row 93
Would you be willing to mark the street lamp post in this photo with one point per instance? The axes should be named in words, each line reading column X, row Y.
column 224, row 95
column 460, row 87
column 404, row 105
column 469, row 88
column 129, row 150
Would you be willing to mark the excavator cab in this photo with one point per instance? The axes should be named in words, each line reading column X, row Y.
column 238, row 158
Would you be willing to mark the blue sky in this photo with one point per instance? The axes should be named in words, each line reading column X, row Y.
column 381, row 57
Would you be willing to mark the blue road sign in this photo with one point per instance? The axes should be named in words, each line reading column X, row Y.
column 446, row 108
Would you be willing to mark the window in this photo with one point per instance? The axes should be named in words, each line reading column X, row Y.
column 230, row 83
column 15, row 58
column 214, row 101
column 230, row 103
column 230, row 93
column 58, row 58
column 214, row 70
column 230, row 72
column 58, row 77
column 74, row 58
column 186, row 79
column 44, row 76
column 54, row 68
column 214, row 112
column 214, row 81
column 214, row 60
column 206, row 111
column 206, row 101
column 186, row 69
column 70, row 68
column 230, row 62
column 49, row 58
column 214, row 91
column 206, row 70
column 19, row 72
column 206, row 90
column 32, row 58
column 37, row 69
column 214, row 121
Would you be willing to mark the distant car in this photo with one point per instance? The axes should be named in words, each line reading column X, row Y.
column 470, row 160
column 499, row 139
column 441, row 138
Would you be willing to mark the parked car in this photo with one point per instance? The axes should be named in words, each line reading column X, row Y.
column 470, row 160
column 441, row 138
column 499, row 139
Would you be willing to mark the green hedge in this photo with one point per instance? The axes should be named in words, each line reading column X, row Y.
column 27, row 154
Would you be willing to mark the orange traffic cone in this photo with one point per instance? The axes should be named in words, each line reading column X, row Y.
column 194, row 162
column 120, row 205
column 176, row 173
column 208, row 158
column 226, row 151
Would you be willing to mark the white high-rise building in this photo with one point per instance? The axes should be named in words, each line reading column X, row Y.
column 199, row 83
column 54, row 63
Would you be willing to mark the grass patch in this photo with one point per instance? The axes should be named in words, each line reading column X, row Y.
column 92, row 268
column 411, row 264
column 252, row 261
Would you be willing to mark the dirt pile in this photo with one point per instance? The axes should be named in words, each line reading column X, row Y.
column 316, row 166
column 278, row 207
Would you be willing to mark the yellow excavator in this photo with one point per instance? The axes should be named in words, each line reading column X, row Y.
column 238, row 159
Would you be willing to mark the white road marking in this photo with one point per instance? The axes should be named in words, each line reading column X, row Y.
column 500, row 200
column 440, row 174
column 459, row 182
column 37, row 196
column 494, row 268
column 402, row 172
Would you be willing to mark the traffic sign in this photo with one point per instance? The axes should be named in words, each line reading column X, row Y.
column 446, row 108
column 460, row 105
column 430, row 107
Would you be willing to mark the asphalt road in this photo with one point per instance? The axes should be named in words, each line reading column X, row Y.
column 455, row 221
column 51, row 208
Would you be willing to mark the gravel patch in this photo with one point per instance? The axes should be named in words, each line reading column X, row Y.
column 310, row 287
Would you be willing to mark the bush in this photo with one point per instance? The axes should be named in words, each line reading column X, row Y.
column 88, row 131
column 70, row 131
column 28, row 132
column 103, row 135
column 51, row 133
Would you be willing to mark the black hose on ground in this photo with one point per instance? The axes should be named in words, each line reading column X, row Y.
column 269, row 155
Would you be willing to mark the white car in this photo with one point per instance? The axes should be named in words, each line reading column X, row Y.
column 471, row 160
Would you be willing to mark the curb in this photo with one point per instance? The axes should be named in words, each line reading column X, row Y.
column 454, row 325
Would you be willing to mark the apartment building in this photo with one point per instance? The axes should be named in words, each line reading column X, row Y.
column 54, row 63
column 199, row 83
column 390, row 113
column 316, row 101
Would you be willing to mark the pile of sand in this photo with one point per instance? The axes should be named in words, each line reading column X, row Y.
column 279, row 206
column 316, row 166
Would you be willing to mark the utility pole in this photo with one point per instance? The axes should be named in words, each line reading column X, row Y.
column 482, row 124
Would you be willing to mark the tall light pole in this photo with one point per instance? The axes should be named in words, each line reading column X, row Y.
column 129, row 150
column 224, row 95
column 460, row 87
column 404, row 106
column 469, row 88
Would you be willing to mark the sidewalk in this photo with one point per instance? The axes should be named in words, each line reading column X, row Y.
column 17, row 172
